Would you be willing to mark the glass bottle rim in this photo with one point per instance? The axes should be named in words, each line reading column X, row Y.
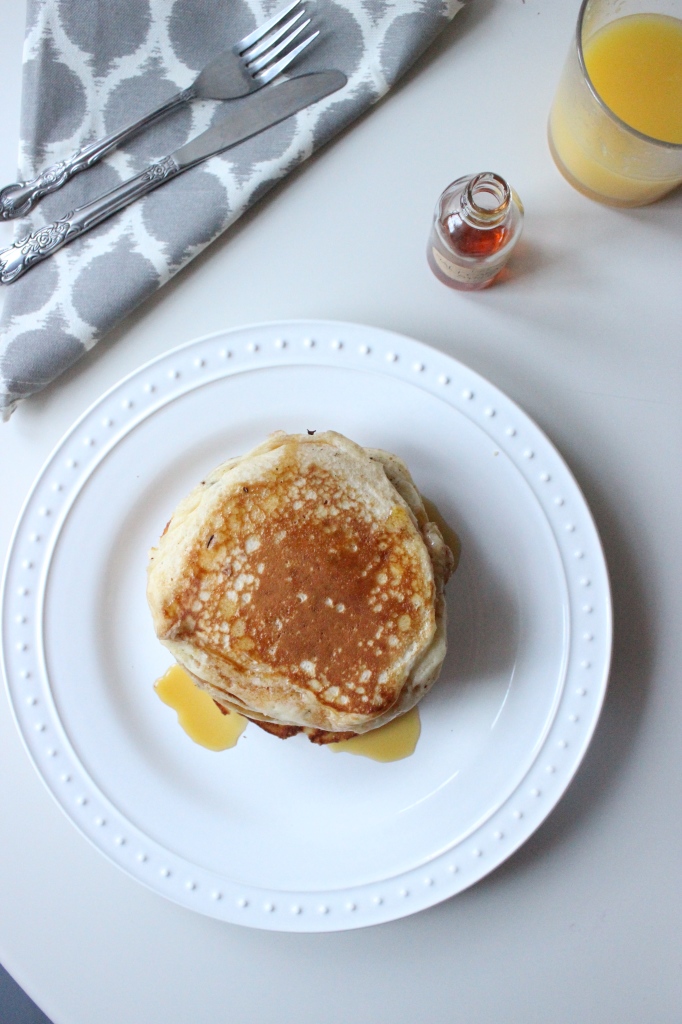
column 602, row 103
column 491, row 184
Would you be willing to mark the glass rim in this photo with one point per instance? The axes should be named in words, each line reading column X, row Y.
column 602, row 103
column 487, row 181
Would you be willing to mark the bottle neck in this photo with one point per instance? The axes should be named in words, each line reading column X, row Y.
column 485, row 201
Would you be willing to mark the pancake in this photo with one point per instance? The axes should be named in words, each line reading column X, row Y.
column 302, row 586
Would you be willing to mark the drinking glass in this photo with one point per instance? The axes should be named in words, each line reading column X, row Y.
column 598, row 153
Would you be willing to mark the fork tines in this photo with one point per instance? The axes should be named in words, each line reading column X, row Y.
column 261, row 48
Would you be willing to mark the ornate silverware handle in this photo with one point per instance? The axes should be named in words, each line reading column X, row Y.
column 16, row 200
column 20, row 257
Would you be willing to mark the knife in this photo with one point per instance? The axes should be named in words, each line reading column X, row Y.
column 245, row 119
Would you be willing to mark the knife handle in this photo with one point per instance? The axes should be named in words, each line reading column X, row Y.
column 18, row 199
column 31, row 249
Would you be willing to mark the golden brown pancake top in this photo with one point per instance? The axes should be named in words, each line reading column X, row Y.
column 295, row 576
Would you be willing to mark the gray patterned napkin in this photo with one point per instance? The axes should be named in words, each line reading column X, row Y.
column 91, row 66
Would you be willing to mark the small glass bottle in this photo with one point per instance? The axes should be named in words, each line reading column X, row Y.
column 477, row 223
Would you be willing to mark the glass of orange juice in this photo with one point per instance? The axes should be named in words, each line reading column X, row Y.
column 615, row 128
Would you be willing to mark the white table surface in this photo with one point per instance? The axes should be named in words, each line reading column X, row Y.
column 583, row 923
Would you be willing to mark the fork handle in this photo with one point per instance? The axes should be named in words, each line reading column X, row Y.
column 31, row 249
column 16, row 200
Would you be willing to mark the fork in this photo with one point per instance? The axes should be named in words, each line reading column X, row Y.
column 249, row 65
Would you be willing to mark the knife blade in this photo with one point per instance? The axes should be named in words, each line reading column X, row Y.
column 244, row 119
column 253, row 114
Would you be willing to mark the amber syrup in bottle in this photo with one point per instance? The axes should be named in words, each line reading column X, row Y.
column 477, row 223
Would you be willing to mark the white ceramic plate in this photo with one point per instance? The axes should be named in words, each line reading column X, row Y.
column 286, row 835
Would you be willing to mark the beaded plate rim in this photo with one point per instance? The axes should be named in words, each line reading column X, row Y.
column 330, row 344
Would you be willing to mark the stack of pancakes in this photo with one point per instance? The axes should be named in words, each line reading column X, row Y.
column 302, row 584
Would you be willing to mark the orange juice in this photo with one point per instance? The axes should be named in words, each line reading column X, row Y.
column 635, row 64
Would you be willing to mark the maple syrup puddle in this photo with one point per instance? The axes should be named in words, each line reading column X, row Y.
column 198, row 715
column 209, row 727
column 390, row 742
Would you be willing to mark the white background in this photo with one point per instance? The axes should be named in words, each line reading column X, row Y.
column 583, row 923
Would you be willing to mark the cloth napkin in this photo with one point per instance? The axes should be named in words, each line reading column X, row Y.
column 91, row 66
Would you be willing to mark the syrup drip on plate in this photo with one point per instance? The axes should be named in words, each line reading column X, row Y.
column 209, row 727
column 198, row 715
column 390, row 742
